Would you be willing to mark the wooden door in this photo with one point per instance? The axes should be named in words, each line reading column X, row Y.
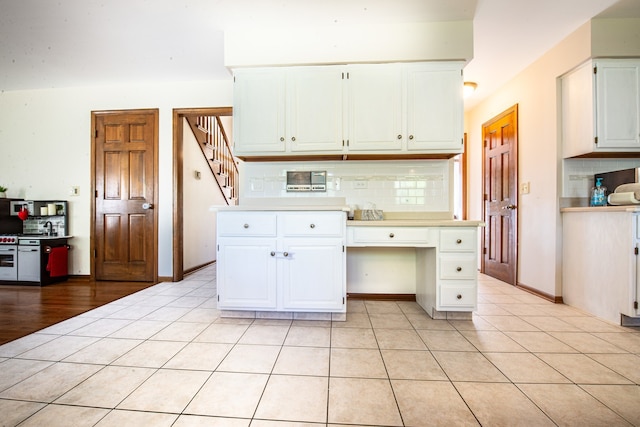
column 125, row 221
column 500, row 136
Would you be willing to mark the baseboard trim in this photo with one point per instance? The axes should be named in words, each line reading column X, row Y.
column 543, row 295
column 79, row 278
column 382, row 297
column 198, row 267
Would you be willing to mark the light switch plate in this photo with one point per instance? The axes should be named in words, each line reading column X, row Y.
column 74, row 190
column 524, row 188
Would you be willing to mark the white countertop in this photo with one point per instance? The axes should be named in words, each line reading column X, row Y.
column 253, row 208
column 416, row 223
column 42, row 237
column 592, row 209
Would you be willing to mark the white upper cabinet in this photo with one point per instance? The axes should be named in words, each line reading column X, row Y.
column 367, row 109
column 375, row 107
column 284, row 110
column 618, row 105
column 435, row 107
column 601, row 108
column 259, row 111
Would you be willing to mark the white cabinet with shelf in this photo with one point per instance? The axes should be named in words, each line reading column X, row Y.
column 366, row 109
column 281, row 261
column 601, row 108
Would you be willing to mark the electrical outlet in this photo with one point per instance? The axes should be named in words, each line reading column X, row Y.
column 74, row 190
column 524, row 188
column 360, row 184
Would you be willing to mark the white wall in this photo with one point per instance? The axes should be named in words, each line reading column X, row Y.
column 426, row 41
column 45, row 141
column 534, row 90
column 199, row 195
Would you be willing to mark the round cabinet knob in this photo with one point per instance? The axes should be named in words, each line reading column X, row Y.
column 459, row 296
column 293, row 138
column 273, row 253
column 391, row 235
column 246, row 226
column 459, row 269
column 459, row 241
column 282, row 138
column 312, row 226
column 410, row 136
column 399, row 136
column 285, row 253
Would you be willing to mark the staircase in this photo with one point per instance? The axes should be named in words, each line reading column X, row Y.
column 214, row 144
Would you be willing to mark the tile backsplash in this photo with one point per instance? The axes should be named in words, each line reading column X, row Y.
column 397, row 186
column 578, row 173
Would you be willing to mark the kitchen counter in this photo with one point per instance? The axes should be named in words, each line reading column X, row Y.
column 415, row 223
column 600, row 265
column 42, row 237
column 592, row 209
column 276, row 208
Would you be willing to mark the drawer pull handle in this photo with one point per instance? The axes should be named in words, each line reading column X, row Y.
column 391, row 235
column 312, row 226
column 459, row 296
column 246, row 226
column 273, row 253
column 458, row 268
column 285, row 253
column 459, row 241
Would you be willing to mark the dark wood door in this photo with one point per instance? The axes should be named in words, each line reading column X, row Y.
column 500, row 158
column 125, row 230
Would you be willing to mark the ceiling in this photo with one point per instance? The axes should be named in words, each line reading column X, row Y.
column 70, row 43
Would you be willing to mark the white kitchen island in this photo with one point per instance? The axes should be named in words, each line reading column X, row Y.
column 300, row 262
column 600, row 267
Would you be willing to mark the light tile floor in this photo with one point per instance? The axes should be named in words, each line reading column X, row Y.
column 164, row 357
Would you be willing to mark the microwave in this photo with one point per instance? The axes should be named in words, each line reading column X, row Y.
column 17, row 205
column 611, row 180
column 306, row 181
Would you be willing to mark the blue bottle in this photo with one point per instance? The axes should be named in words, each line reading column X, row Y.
column 598, row 194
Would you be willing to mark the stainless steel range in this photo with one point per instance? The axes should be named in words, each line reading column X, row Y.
column 8, row 257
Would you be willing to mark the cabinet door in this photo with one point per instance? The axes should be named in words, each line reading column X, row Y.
column 314, row 108
column 246, row 273
column 375, row 107
column 618, row 105
column 259, row 111
column 578, row 127
column 434, row 107
column 313, row 275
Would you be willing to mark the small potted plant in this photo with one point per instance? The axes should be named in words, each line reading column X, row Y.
column 3, row 191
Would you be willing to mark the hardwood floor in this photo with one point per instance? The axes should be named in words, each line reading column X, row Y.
column 27, row 309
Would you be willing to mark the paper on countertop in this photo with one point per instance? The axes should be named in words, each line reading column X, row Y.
column 628, row 198
column 630, row 188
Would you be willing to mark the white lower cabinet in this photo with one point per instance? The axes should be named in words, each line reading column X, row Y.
column 312, row 274
column 281, row 261
column 246, row 273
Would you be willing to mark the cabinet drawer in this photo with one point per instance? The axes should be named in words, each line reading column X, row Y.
column 458, row 266
column 458, row 240
column 393, row 236
column 250, row 224
column 457, row 296
column 317, row 224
